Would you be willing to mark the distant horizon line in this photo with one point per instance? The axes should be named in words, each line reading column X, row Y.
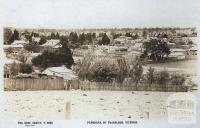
column 99, row 28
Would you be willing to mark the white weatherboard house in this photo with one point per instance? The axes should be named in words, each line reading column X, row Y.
column 61, row 71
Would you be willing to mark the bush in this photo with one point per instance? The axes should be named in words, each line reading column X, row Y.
column 102, row 71
column 162, row 78
column 33, row 48
column 177, row 79
column 14, row 69
column 26, row 68
column 150, row 76
column 63, row 56
column 82, row 68
column 123, row 70
column 136, row 73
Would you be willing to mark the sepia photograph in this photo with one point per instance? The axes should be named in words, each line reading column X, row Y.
column 125, row 63
column 113, row 73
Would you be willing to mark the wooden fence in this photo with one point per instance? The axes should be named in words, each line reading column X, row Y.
column 33, row 84
column 86, row 85
column 60, row 84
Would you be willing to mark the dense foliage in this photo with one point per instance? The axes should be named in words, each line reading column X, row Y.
column 62, row 56
column 156, row 49
column 26, row 68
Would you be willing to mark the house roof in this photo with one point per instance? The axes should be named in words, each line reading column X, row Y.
column 36, row 39
column 51, row 43
column 11, row 61
column 135, row 52
column 137, row 45
column 13, row 46
column 57, row 46
column 16, row 42
column 60, row 72
column 34, row 54
column 178, row 50
column 193, row 48
column 176, row 54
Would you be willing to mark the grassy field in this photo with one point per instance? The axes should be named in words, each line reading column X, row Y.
column 85, row 105
column 187, row 66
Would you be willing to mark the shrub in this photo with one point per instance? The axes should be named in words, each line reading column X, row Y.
column 162, row 78
column 32, row 47
column 26, row 68
column 150, row 76
column 14, row 69
column 123, row 70
column 136, row 73
column 62, row 56
column 102, row 71
column 82, row 68
column 177, row 79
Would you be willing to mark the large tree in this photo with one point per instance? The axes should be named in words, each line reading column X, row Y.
column 105, row 40
column 156, row 49
column 43, row 40
column 62, row 56
column 53, row 36
column 81, row 38
column 16, row 35
column 73, row 38
column 8, row 38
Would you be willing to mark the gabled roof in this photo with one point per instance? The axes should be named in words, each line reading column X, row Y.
column 51, row 43
column 60, row 72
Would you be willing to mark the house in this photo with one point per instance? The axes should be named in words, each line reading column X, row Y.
column 123, row 40
column 137, row 47
column 36, row 39
column 13, row 48
column 9, row 61
column 178, row 50
column 19, row 42
column 177, row 56
column 107, row 49
column 186, row 31
column 52, row 43
column 193, row 50
column 121, row 49
column 99, row 53
column 62, row 71
column 171, row 45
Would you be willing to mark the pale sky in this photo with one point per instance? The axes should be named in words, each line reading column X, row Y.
column 99, row 13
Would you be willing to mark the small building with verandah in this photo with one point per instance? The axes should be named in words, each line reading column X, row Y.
column 69, row 76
